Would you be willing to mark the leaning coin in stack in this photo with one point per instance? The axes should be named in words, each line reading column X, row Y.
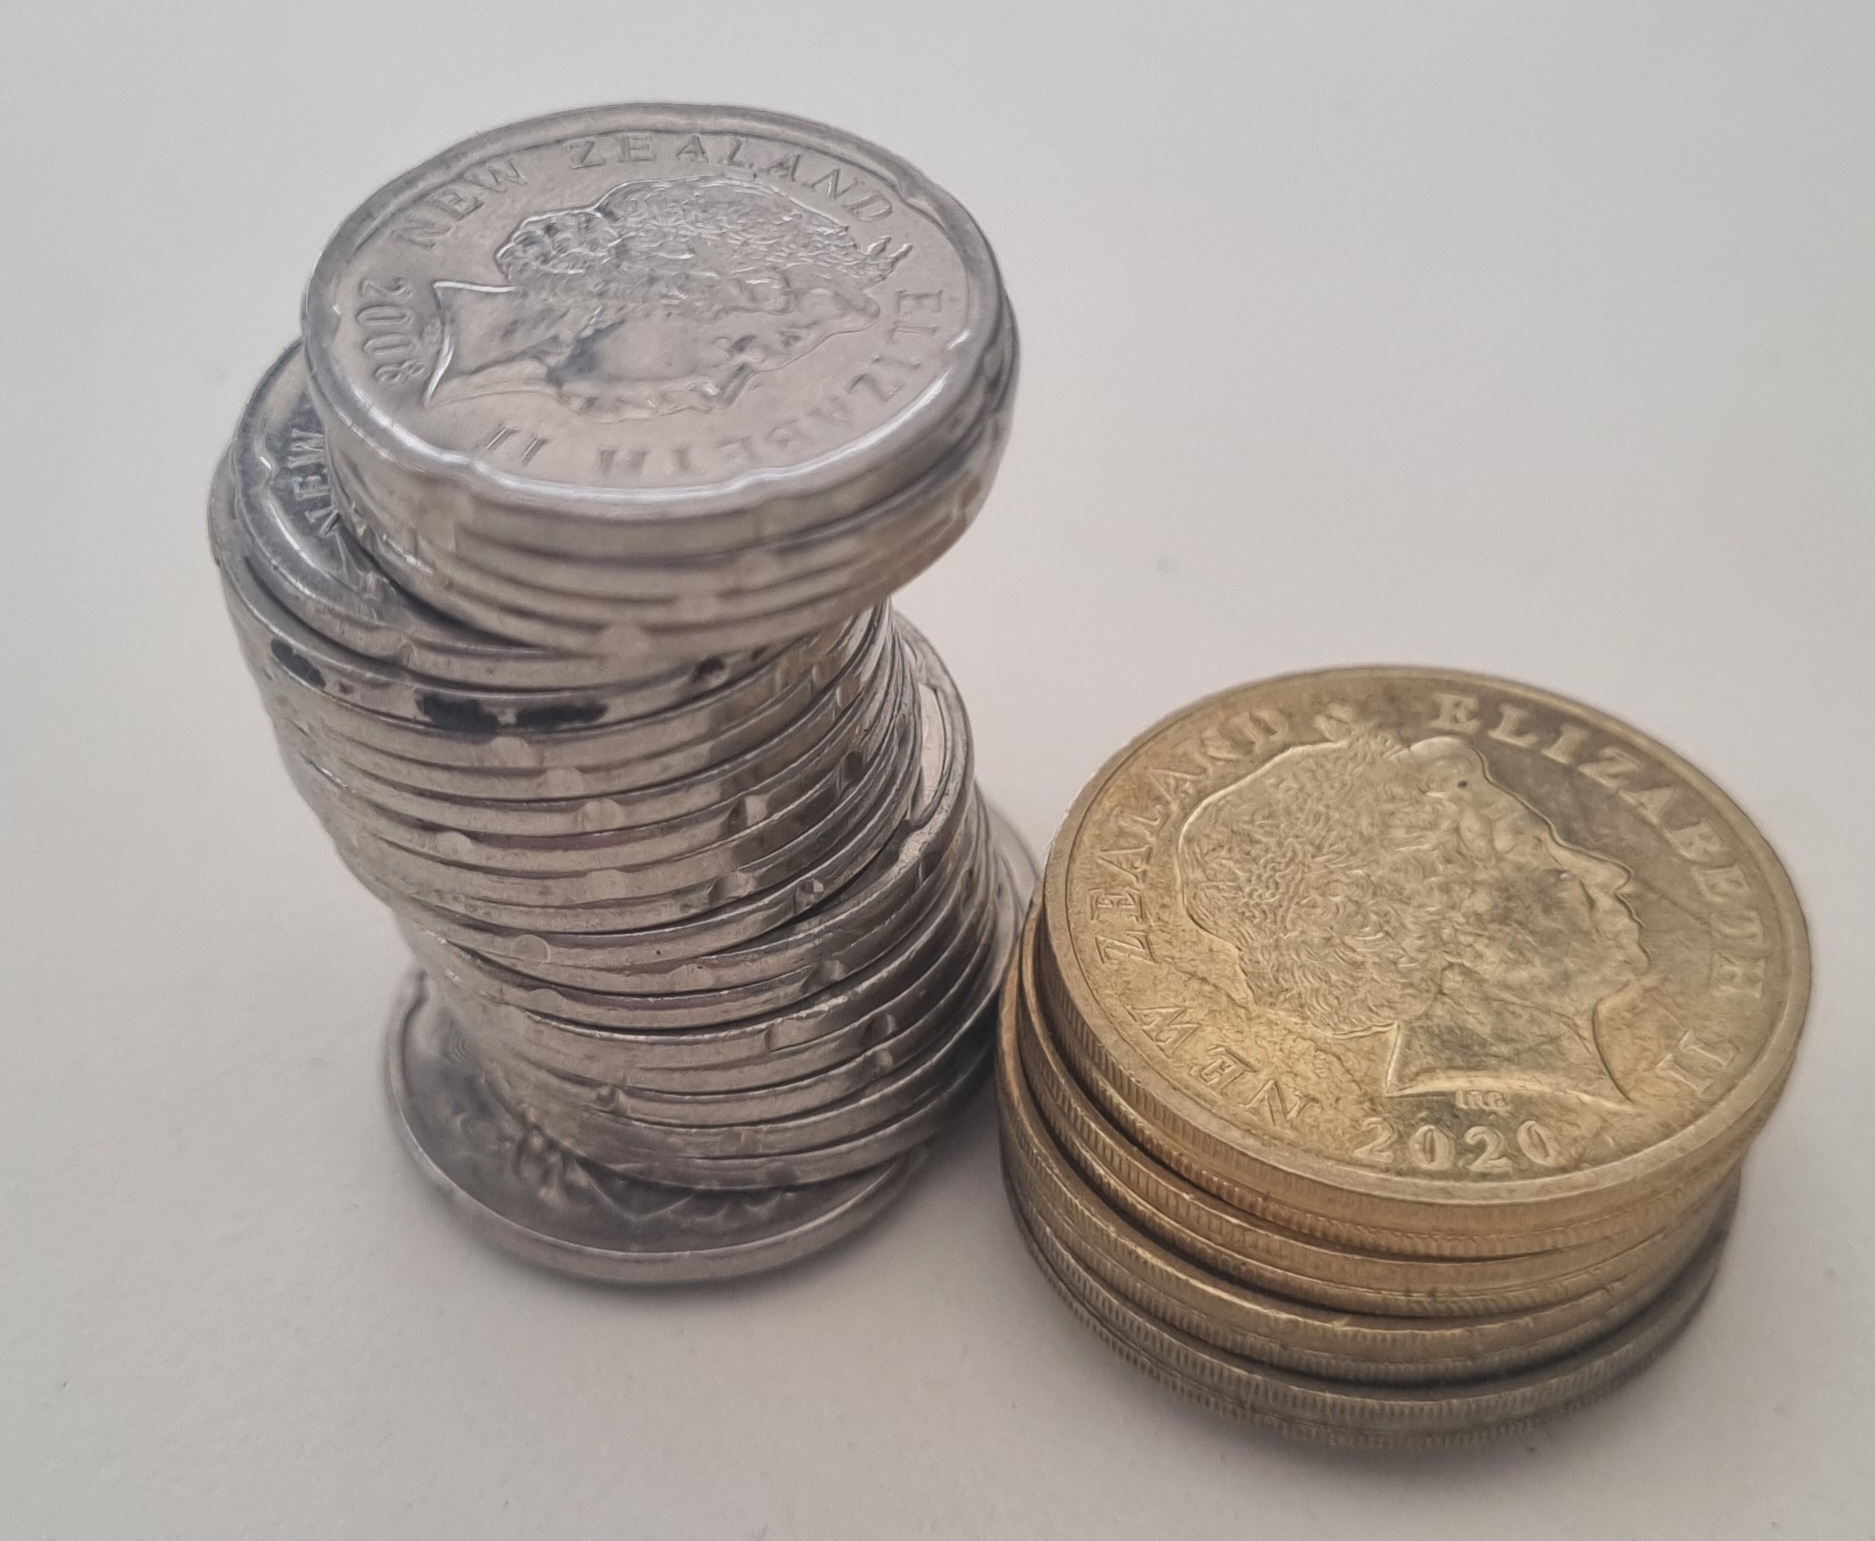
column 1383, row 1047
column 560, row 549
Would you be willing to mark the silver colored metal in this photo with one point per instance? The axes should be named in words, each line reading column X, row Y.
column 595, row 761
column 801, row 1039
column 278, row 643
column 878, row 1102
column 618, row 1010
column 744, row 902
column 641, row 895
column 609, row 868
column 659, row 944
column 786, row 805
column 832, row 554
column 898, row 1038
column 538, row 1201
column 865, row 556
column 582, row 801
column 544, row 620
column 673, row 959
column 559, row 551
column 918, row 1121
column 687, row 287
column 309, row 561
column 788, row 681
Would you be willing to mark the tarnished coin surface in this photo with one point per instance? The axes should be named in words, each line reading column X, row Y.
column 705, row 324
column 1441, row 956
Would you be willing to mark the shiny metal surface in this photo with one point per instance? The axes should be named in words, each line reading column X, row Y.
column 569, row 612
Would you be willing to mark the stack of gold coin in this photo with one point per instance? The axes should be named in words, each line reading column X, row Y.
column 1383, row 1048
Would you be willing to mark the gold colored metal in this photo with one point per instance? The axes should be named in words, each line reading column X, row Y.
column 1269, row 1328
column 1423, row 962
column 1635, row 1216
column 1377, row 1417
column 1236, row 1244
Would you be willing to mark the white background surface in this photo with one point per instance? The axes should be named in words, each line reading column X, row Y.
column 1530, row 338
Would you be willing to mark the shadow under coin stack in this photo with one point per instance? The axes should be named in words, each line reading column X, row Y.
column 1382, row 1049
column 560, row 549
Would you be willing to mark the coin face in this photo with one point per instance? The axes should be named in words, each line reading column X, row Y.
column 1426, row 936
column 652, row 308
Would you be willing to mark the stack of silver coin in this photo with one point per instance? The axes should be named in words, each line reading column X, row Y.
column 560, row 547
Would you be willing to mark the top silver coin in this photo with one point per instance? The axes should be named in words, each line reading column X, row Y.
column 733, row 321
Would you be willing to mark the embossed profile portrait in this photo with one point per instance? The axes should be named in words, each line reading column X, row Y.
column 666, row 296
column 1369, row 886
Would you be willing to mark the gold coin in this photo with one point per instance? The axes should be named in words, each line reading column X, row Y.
column 1376, row 1417
column 1270, row 1328
column 1433, row 962
column 1628, row 1217
column 1237, row 1244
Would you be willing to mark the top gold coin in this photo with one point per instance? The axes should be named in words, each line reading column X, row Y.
column 1425, row 949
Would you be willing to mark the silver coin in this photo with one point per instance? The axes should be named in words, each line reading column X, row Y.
column 800, row 1039
column 754, row 822
column 276, row 641
column 865, row 1029
column 892, row 1114
column 807, row 748
column 883, row 1142
column 561, row 556
column 563, row 619
column 551, row 619
column 787, row 681
column 744, row 573
column 546, row 1205
column 810, row 663
column 618, row 864
column 303, row 552
column 410, row 752
column 805, row 985
column 804, row 708
column 886, row 1042
column 474, row 330
column 838, row 740
column 835, row 858
column 860, row 903
column 762, row 856
column 551, row 591
column 749, row 774
column 666, row 591
column 746, row 900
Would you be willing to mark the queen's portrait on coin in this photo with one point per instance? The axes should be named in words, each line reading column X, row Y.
column 661, row 297
column 1368, row 886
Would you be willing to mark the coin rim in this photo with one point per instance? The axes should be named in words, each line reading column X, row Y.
column 878, row 452
column 1463, row 1203
column 583, row 1260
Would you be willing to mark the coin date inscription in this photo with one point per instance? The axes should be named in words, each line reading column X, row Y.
column 1428, row 926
